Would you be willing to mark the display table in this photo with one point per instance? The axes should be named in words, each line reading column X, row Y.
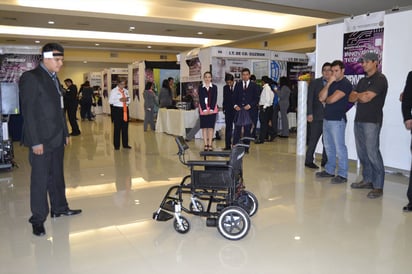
column 175, row 121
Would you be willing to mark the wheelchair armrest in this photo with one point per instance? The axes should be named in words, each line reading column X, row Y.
column 208, row 163
column 225, row 153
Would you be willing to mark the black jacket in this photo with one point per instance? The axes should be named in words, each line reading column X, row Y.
column 407, row 98
column 314, row 106
column 41, row 104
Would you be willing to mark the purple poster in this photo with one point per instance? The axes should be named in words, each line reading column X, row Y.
column 357, row 44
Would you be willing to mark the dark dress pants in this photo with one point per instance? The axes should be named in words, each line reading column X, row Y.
column 229, row 118
column 273, row 130
column 409, row 193
column 120, row 127
column 264, row 116
column 316, row 129
column 71, row 114
column 254, row 115
column 47, row 177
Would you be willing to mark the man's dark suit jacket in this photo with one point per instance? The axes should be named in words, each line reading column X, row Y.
column 228, row 102
column 250, row 96
column 407, row 98
column 314, row 106
column 44, row 119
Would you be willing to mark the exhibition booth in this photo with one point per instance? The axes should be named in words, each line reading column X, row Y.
column 386, row 33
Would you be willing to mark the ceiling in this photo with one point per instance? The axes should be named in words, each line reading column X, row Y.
column 166, row 26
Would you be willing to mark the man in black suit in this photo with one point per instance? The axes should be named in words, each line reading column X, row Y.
column 70, row 99
column 315, row 115
column 45, row 133
column 228, row 91
column 245, row 97
column 407, row 118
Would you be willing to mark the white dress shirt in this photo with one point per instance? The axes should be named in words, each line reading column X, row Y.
column 116, row 95
column 266, row 97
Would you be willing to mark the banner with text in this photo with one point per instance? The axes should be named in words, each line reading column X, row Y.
column 363, row 33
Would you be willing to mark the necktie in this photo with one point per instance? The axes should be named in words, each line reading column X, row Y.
column 56, row 83
column 124, row 105
column 245, row 86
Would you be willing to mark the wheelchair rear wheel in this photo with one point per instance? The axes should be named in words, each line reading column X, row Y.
column 182, row 227
column 248, row 201
column 233, row 223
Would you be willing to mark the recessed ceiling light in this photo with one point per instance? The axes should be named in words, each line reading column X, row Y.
column 200, row 33
column 97, row 44
column 132, row 28
column 50, row 22
column 37, row 42
column 149, row 47
column 85, row 62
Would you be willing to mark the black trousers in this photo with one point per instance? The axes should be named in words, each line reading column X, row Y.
column 229, row 118
column 120, row 127
column 409, row 193
column 86, row 110
column 71, row 114
column 316, row 129
column 47, row 178
column 265, row 115
column 273, row 130
column 254, row 115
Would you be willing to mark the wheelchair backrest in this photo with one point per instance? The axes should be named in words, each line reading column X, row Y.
column 181, row 144
column 236, row 157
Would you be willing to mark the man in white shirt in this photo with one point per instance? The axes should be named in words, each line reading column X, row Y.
column 119, row 100
column 265, row 108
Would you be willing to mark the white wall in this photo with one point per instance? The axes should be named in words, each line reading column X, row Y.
column 396, row 63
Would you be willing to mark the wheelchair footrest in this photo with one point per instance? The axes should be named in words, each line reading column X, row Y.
column 162, row 216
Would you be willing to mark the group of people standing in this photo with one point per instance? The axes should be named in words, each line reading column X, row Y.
column 329, row 98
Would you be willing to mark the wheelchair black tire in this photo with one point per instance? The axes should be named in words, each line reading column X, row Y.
column 233, row 223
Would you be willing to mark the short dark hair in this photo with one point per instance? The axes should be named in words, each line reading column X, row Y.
column 148, row 85
column 52, row 47
column 170, row 78
column 229, row 77
column 207, row 72
column 327, row 64
column 283, row 81
column 338, row 63
column 69, row 80
column 252, row 77
column 246, row 70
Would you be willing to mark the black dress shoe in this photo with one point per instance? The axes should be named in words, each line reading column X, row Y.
column 127, row 147
column 407, row 208
column 68, row 212
column 74, row 134
column 38, row 230
column 311, row 165
column 283, row 136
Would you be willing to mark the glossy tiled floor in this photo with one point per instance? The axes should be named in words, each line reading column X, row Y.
column 304, row 224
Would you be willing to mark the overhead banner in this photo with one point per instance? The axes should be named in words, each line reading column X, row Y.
column 363, row 33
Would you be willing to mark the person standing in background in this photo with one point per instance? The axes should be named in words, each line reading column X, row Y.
column 70, row 98
column 315, row 115
column 265, row 108
column 165, row 95
column 86, row 101
column 45, row 133
column 228, row 91
column 207, row 109
column 406, row 99
column 254, row 111
column 335, row 95
column 150, row 102
column 284, row 94
column 119, row 99
column 369, row 95
column 246, row 95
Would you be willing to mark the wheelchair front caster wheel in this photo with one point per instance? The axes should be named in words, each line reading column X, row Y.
column 182, row 226
column 197, row 206
column 233, row 223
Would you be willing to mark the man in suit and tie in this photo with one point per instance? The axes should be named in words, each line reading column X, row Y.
column 45, row 133
column 228, row 91
column 245, row 97
column 315, row 115
column 406, row 98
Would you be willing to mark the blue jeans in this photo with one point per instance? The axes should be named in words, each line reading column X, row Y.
column 367, row 147
column 334, row 142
